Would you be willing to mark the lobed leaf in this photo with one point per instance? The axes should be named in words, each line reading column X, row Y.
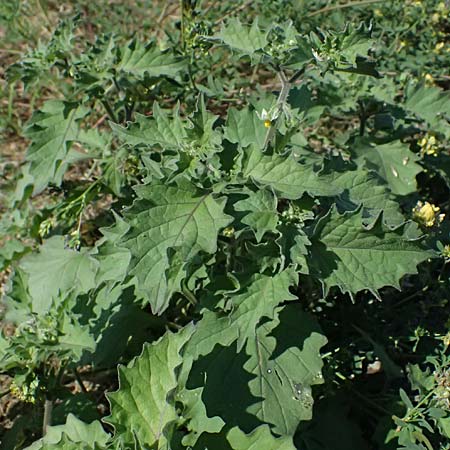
column 346, row 254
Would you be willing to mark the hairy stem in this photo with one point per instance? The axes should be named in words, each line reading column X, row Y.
column 48, row 408
column 286, row 85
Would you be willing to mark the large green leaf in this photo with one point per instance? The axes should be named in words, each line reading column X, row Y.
column 168, row 226
column 140, row 60
column 347, row 254
column 259, row 439
column 394, row 162
column 285, row 359
column 254, row 301
column 268, row 381
column 143, row 406
column 56, row 269
column 52, row 129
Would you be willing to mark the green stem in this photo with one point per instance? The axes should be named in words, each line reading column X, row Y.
column 79, row 380
column 182, row 25
column 109, row 110
column 48, row 408
column 282, row 97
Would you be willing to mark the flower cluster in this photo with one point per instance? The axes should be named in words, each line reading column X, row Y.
column 427, row 214
column 445, row 253
column 428, row 145
column 442, row 391
column 25, row 392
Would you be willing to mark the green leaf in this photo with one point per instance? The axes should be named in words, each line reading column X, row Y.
column 52, row 130
column 196, row 415
column 393, row 162
column 346, row 254
column 74, row 431
column 260, row 438
column 444, row 424
column 113, row 259
column 244, row 127
column 11, row 250
column 286, row 175
column 143, row 406
column 431, row 104
column 159, row 130
column 360, row 187
column 285, row 359
column 261, row 208
column 255, row 300
column 140, row 60
column 166, row 218
column 56, row 269
column 269, row 380
column 245, row 39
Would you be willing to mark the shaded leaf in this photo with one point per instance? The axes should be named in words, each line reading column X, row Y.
column 143, row 405
column 169, row 218
column 344, row 253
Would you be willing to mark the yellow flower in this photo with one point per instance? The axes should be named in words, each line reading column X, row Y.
column 435, row 17
column 228, row 232
column 268, row 116
column 429, row 80
column 446, row 254
column 427, row 214
column 439, row 46
column 403, row 44
column 378, row 12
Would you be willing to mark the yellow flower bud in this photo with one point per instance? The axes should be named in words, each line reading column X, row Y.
column 427, row 214
column 439, row 46
column 267, row 123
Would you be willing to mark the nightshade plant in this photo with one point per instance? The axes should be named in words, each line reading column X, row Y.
column 212, row 250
